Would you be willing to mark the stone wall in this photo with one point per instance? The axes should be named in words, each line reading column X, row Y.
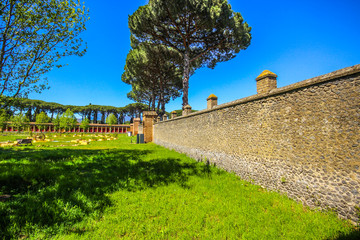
column 302, row 139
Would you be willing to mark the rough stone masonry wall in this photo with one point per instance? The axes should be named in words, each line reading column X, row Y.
column 302, row 140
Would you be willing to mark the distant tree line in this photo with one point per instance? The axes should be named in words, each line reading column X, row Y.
column 31, row 109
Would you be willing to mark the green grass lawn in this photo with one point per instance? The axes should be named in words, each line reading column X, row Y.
column 115, row 189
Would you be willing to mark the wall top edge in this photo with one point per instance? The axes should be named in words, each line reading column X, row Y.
column 348, row 71
column 78, row 124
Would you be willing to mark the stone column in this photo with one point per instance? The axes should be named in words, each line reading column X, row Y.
column 148, row 125
column 136, row 126
column 173, row 114
column 211, row 101
column 132, row 128
column 158, row 119
column 187, row 110
column 164, row 117
column 266, row 82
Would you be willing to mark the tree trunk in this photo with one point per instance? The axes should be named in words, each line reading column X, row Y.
column 89, row 116
column 28, row 114
column 95, row 116
column 163, row 109
column 153, row 102
column 158, row 105
column 102, row 117
column 186, row 79
column 149, row 105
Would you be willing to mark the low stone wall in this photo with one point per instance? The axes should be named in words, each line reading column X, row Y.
column 302, row 140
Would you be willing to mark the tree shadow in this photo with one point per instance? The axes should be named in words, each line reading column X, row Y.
column 355, row 235
column 58, row 188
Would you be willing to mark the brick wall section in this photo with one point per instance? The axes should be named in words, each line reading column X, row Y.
column 302, row 139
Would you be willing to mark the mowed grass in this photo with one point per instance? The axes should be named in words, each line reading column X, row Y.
column 115, row 189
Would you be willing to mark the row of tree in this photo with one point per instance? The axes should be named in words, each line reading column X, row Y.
column 171, row 39
column 65, row 121
column 94, row 113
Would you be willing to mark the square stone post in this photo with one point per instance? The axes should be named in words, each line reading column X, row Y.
column 165, row 117
column 173, row 114
column 132, row 129
column 187, row 110
column 158, row 119
column 266, row 82
column 211, row 101
column 136, row 126
column 148, row 125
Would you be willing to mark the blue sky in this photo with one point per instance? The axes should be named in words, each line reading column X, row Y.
column 296, row 40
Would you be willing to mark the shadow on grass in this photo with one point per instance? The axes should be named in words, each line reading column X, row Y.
column 53, row 189
column 355, row 235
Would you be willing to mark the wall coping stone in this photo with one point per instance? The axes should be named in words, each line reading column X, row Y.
column 266, row 73
column 295, row 86
column 212, row 97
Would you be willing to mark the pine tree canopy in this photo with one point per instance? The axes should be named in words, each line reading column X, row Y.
column 209, row 29
column 204, row 32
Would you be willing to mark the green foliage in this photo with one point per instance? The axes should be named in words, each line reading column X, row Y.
column 89, row 111
column 204, row 32
column 154, row 74
column 142, row 191
column 42, row 118
column 85, row 124
column 56, row 122
column 4, row 118
column 67, row 120
column 111, row 119
column 19, row 121
column 36, row 34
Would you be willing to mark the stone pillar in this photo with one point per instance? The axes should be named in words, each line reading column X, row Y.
column 132, row 128
column 187, row 110
column 173, row 114
column 164, row 117
column 266, row 82
column 211, row 101
column 136, row 126
column 148, row 124
column 158, row 119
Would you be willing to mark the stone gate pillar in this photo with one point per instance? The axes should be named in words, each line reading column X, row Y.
column 187, row 110
column 211, row 101
column 132, row 129
column 148, row 117
column 136, row 126
column 266, row 82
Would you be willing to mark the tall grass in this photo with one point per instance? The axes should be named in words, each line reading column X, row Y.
column 117, row 189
